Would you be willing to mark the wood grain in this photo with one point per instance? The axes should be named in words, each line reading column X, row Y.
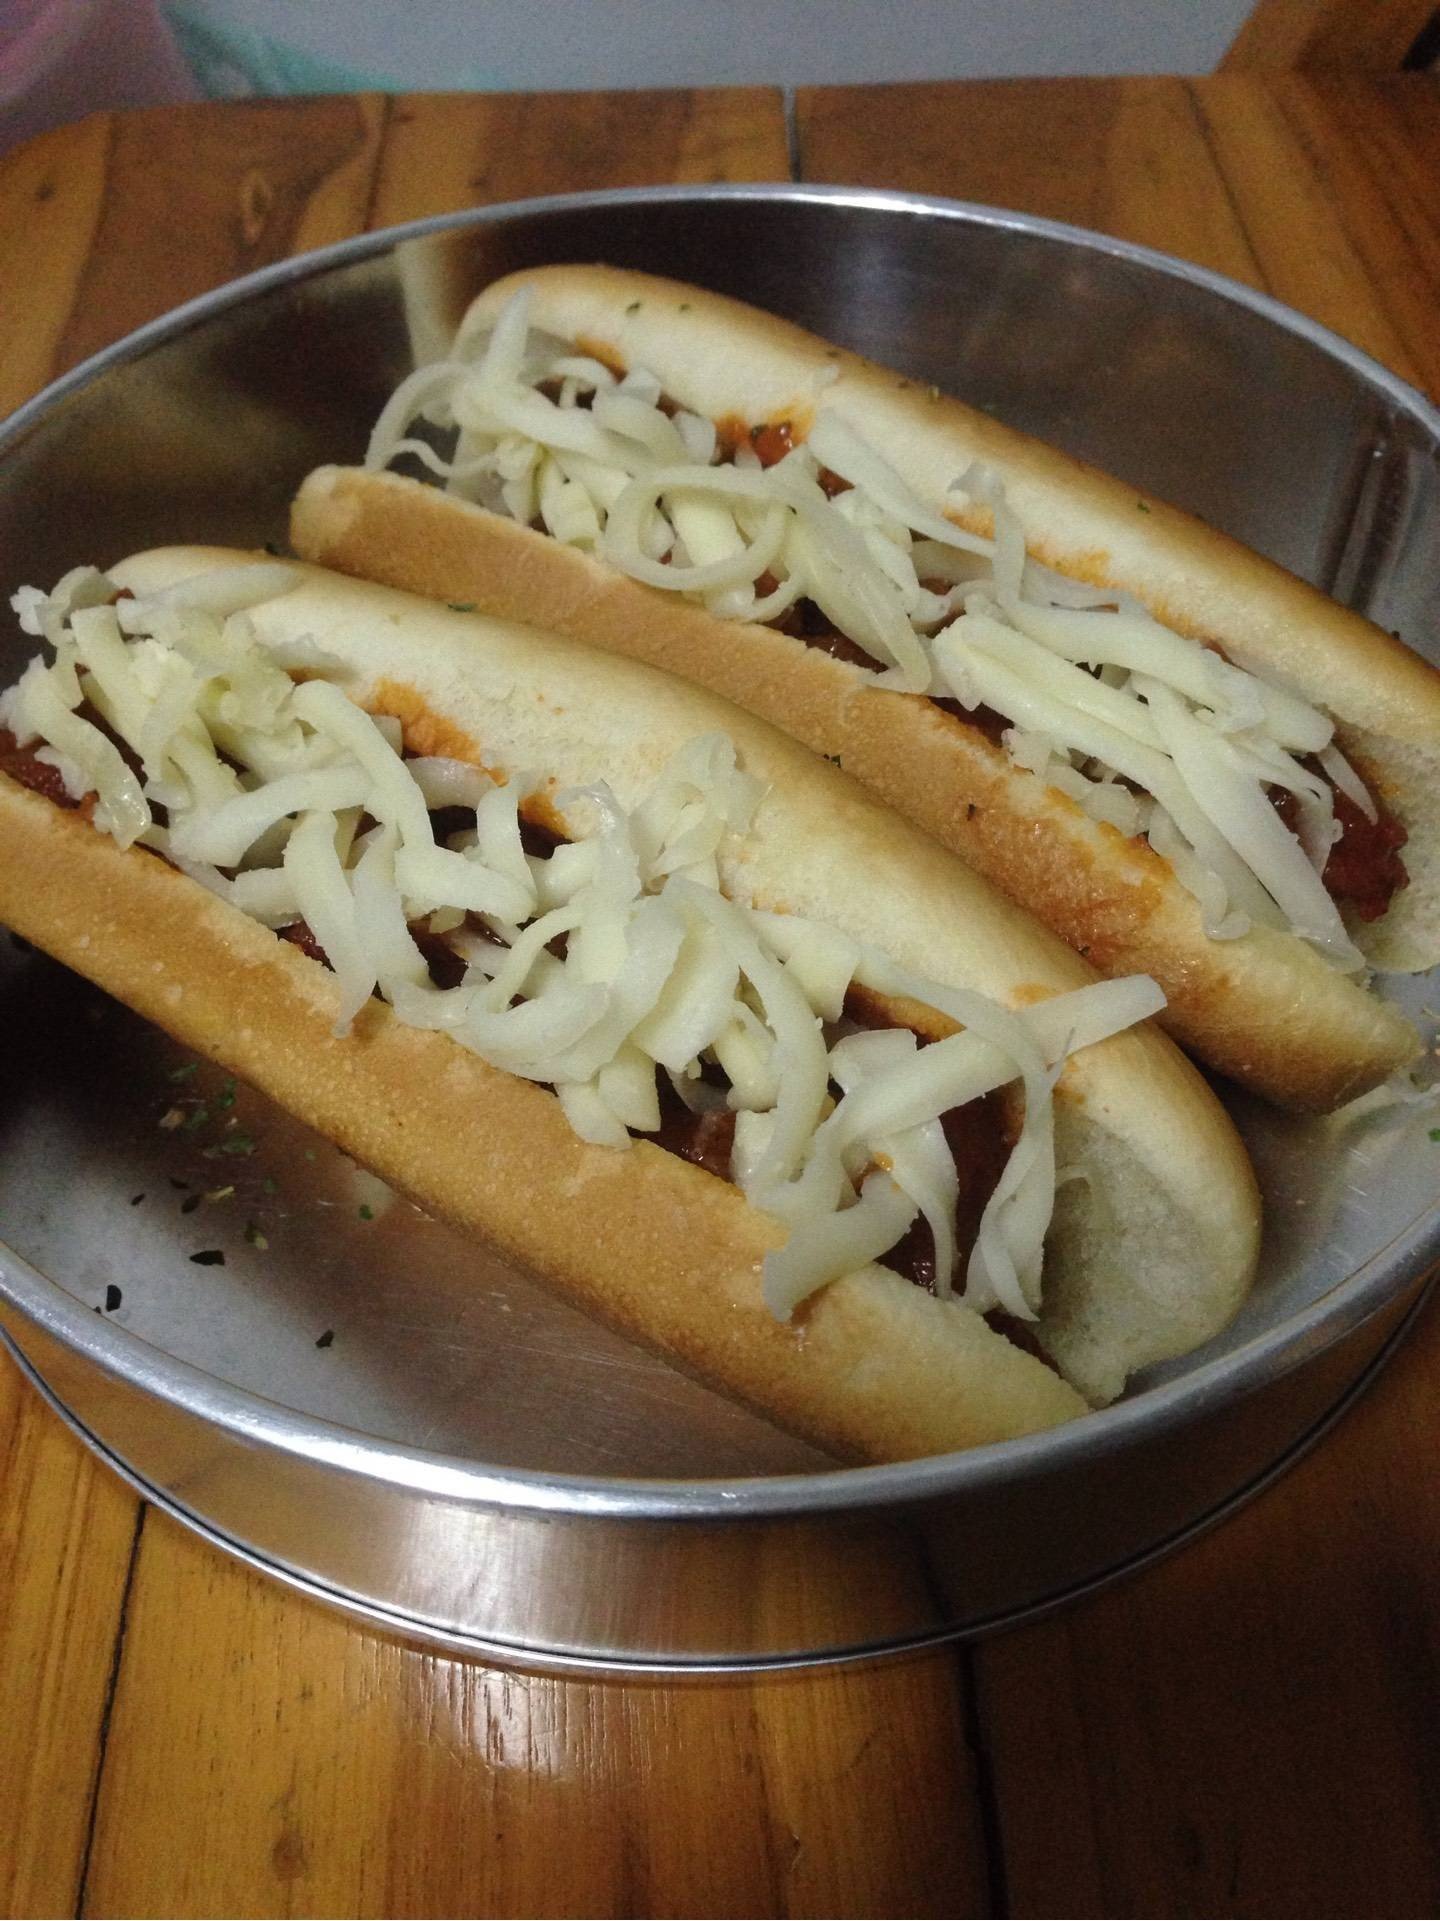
column 1333, row 180
column 1295, row 166
column 67, row 1528
column 1375, row 34
column 51, row 196
column 193, row 199
column 1129, row 157
column 1250, row 1729
column 445, row 151
column 1315, row 187
column 67, row 1531
column 268, row 1757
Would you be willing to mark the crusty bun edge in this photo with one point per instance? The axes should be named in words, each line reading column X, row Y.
column 1165, row 1162
column 1171, row 1174
column 721, row 356
column 876, row 1370
column 1266, row 1010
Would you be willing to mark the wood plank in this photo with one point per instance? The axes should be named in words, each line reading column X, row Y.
column 194, row 197
column 446, row 151
column 1129, row 157
column 67, row 1529
column 1334, row 177
column 51, row 195
column 1308, row 193
column 1327, row 33
column 268, row 1757
column 1317, row 187
column 1249, row 1729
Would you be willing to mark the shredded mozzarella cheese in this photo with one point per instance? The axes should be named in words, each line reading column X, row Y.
column 544, row 433
column 592, row 969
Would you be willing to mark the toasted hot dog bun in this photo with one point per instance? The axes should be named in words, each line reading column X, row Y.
column 1265, row 1009
column 1149, row 1252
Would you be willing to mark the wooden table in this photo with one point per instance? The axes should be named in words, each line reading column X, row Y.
column 1249, row 1728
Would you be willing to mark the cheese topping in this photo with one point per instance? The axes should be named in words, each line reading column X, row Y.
column 1144, row 728
column 611, row 961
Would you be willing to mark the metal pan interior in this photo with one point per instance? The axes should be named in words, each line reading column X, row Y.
column 329, row 1307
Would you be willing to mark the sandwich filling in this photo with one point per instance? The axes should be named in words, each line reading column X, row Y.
column 1236, row 782
column 603, row 960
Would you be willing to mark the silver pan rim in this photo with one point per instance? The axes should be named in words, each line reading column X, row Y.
column 364, row 246
column 1156, row 1411
column 562, row 1661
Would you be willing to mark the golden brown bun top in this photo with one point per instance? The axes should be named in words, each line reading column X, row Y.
column 721, row 357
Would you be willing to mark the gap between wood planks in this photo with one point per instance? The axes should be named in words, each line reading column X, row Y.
column 112, row 1683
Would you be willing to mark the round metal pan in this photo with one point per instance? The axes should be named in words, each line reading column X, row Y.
column 380, row 1411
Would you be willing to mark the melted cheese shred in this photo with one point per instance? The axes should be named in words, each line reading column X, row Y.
column 596, row 970
column 1144, row 728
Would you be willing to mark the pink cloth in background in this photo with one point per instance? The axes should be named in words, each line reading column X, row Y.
column 62, row 59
